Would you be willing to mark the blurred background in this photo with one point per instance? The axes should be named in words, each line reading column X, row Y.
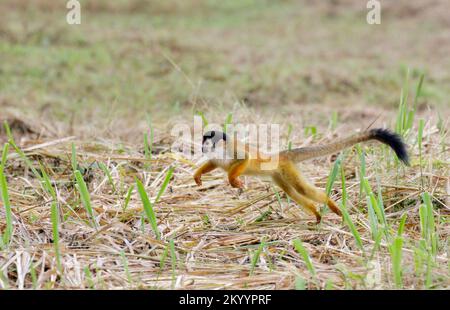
column 265, row 61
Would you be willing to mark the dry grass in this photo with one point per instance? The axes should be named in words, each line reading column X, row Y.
column 216, row 230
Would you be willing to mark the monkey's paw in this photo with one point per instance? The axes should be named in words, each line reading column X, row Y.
column 198, row 181
column 236, row 183
column 318, row 218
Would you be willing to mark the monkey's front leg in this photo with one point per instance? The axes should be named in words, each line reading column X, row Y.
column 235, row 171
column 205, row 168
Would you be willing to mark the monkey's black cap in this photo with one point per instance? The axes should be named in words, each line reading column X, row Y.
column 214, row 136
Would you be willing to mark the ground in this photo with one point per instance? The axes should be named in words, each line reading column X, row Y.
column 85, row 98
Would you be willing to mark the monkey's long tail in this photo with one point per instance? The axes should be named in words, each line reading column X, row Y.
column 382, row 135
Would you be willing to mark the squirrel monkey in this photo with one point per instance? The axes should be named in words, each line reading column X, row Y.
column 285, row 173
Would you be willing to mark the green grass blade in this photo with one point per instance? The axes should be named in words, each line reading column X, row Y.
column 108, row 175
column 20, row 152
column 277, row 195
column 423, row 221
column 89, row 278
column 85, row 196
column 430, row 217
column 298, row 245
column 381, row 205
column 125, row 267
column 378, row 211
column 429, row 225
column 255, row 258
column 401, row 227
column 333, row 175
column 165, row 183
column 300, row 283
column 6, row 237
column 204, row 120
column 128, row 198
column 353, row 230
column 428, row 275
column 396, row 255
column 148, row 208
column 47, row 183
column 4, row 155
column 373, row 221
column 376, row 244
column 362, row 170
column 33, row 276
column 162, row 261
column 228, row 121
column 344, row 188
column 329, row 285
column 55, row 232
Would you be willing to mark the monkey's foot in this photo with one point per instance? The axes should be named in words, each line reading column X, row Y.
column 334, row 207
column 318, row 218
column 236, row 183
column 198, row 181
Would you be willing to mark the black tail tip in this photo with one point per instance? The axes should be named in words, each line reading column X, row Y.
column 394, row 141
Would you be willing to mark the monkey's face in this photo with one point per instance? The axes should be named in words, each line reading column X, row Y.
column 212, row 140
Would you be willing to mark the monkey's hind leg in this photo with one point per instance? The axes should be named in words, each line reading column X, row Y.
column 294, row 177
column 235, row 171
column 299, row 199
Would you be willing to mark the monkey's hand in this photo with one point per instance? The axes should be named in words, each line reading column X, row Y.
column 205, row 168
column 198, row 180
column 236, row 183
